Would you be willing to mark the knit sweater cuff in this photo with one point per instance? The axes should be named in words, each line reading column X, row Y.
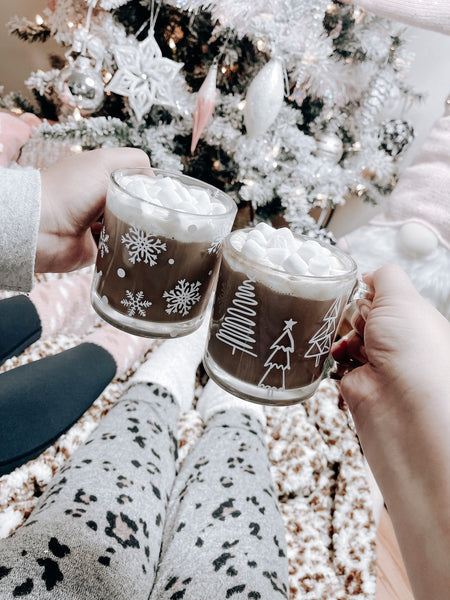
column 20, row 208
column 433, row 15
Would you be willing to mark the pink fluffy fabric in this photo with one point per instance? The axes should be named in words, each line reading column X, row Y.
column 422, row 194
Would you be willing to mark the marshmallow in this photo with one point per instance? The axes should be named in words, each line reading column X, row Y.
column 265, row 229
column 257, row 237
column 319, row 266
column 309, row 249
column 253, row 251
column 193, row 205
column 295, row 265
column 277, row 255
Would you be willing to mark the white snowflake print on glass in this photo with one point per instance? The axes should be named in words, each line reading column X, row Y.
column 182, row 297
column 135, row 304
column 165, row 234
column 142, row 246
column 103, row 242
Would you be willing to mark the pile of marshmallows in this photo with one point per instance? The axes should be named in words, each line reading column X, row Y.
column 170, row 193
column 276, row 248
column 279, row 249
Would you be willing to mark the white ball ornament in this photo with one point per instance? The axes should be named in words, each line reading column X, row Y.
column 264, row 98
column 417, row 240
column 329, row 145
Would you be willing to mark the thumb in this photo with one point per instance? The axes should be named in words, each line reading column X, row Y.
column 390, row 281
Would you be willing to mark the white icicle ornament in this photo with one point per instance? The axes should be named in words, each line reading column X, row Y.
column 264, row 98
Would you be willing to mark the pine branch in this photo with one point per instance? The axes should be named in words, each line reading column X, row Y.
column 90, row 133
column 27, row 30
column 16, row 100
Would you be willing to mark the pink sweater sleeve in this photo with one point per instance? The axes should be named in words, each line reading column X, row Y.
column 428, row 14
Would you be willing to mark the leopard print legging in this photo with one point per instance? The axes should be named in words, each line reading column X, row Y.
column 117, row 521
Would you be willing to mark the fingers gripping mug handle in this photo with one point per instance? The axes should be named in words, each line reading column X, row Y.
column 360, row 291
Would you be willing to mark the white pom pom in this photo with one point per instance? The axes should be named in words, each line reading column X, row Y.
column 417, row 240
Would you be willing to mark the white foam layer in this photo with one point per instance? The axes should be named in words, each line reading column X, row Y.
column 290, row 257
column 197, row 217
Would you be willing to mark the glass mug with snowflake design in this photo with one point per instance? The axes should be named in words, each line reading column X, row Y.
column 159, row 251
column 278, row 303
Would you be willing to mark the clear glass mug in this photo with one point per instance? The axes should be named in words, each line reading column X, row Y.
column 270, row 333
column 157, row 266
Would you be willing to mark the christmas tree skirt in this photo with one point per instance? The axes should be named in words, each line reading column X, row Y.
column 316, row 465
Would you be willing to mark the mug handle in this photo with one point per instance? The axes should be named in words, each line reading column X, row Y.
column 361, row 291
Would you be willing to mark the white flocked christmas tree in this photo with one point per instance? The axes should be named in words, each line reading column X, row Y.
column 280, row 103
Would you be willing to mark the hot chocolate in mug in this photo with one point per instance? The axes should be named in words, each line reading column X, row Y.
column 159, row 251
column 278, row 303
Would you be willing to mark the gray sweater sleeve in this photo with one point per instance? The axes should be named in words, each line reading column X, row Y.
column 20, row 209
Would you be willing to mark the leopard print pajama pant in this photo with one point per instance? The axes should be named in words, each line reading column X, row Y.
column 118, row 523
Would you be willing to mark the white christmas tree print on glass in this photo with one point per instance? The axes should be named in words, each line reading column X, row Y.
column 322, row 339
column 142, row 246
column 182, row 297
column 103, row 242
column 237, row 328
column 135, row 303
column 280, row 358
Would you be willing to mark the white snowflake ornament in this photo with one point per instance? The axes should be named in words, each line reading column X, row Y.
column 144, row 76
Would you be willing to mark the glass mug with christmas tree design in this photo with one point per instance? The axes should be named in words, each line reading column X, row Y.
column 159, row 251
column 278, row 303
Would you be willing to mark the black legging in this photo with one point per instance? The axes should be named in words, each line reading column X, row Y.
column 41, row 400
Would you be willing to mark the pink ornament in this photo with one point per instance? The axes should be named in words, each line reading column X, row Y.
column 204, row 106
column 51, row 4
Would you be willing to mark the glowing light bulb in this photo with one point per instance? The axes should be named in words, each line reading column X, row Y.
column 261, row 45
column 172, row 43
column 39, row 20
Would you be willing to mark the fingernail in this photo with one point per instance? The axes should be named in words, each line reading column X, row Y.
column 339, row 350
column 364, row 311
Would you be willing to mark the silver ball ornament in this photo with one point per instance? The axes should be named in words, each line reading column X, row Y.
column 329, row 145
column 81, row 86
